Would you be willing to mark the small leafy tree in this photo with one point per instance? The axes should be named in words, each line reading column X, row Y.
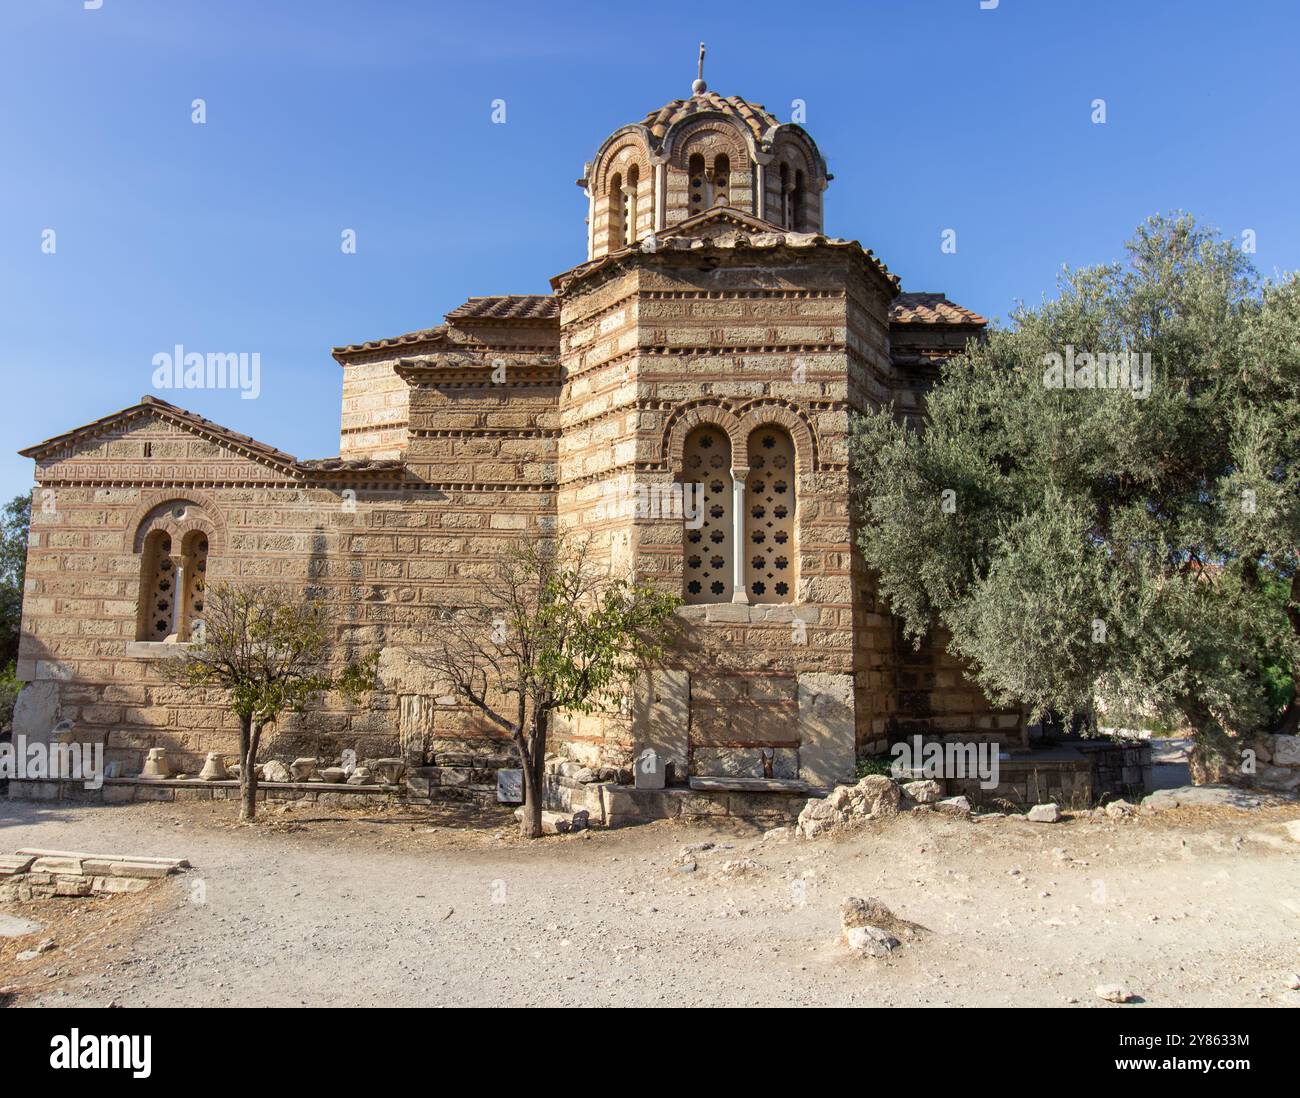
column 14, row 524
column 268, row 648
column 548, row 631
column 1133, row 547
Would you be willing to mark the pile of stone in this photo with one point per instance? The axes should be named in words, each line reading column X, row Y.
column 874, row 797
column 36, row 874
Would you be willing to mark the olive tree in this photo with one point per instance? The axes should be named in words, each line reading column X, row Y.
column 547, row 630
column 268, row 648
column 1103, row 506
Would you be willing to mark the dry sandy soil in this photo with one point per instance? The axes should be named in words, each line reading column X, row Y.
column 342, row 908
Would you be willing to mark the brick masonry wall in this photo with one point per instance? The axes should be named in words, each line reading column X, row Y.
column 511, row 431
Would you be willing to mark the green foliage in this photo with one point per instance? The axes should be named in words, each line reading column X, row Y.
column 873, row 764
column 1139, row 553
column 269, row 650
column 14, row 523
column 9, row 687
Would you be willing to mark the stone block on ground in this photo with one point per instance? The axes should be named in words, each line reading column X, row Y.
column 927, row 791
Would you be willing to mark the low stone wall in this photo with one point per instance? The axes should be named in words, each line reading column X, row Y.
column 1076, row 775
column 128, row 790
column 33, row 876
column 611, row 801
column 1120, row 771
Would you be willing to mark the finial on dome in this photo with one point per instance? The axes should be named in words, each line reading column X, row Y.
column 700, row 87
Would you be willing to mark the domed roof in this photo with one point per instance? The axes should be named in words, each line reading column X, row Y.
column 754, row 116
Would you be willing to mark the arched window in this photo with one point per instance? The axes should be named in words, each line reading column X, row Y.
column 796, row 203
column 157, row 614
column 785, row 195
column 708, row 558
column 615, row 199
column 771, row 555
column 195, row 556
column 721, row 180
column 629, row 205
column 699, row 184
column 173, row 546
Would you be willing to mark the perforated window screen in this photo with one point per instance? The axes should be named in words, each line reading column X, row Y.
column 708, row 541
column 771, row 558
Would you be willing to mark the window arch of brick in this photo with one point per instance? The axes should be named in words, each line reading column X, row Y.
column 771, row 540
column 173, row 543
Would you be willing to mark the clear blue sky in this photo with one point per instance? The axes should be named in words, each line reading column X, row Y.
column 324, row 115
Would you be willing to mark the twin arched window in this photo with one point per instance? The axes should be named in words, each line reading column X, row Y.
column 173, row 575
column 708, row 187
column 739, row 531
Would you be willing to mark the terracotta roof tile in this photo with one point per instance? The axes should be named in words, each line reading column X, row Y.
column 171, row 412
column 930, row 308
column 508, row 307
column 753, row 115
column 424, row 335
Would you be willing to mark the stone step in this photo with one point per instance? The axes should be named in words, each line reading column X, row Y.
column 131, row 859
column 749, row 785
column 11, row 864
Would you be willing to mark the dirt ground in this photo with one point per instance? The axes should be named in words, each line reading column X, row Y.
column 1185, row 908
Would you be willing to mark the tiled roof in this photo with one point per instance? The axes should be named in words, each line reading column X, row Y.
column 753, row 115
column 744, row 232
column 508, row 307
column 151, row 405
column 424, row 335
column 930, row 308
column 350, row 465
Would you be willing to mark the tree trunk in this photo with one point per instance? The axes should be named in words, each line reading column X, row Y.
column 532, row 751
column 1291, row 716
column 249, row 739
column 246, row 776
column 530, row 823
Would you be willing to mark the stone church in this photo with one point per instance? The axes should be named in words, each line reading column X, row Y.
column 714, row 337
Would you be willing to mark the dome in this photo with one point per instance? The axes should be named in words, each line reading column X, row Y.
column 694, row 155
column 753, row 116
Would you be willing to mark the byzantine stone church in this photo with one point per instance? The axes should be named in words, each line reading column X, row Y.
column 714, row 336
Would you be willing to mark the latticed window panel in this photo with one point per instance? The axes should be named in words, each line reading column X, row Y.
column 708, row 542
column 160, row 592
column 771, row 560
column 196, row 582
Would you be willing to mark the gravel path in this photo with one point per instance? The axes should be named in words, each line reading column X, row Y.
column 1185, row 908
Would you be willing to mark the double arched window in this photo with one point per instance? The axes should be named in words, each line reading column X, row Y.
column 740, row 530
column 173, row 542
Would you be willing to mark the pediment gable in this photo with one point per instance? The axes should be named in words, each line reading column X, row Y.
column 154, row 440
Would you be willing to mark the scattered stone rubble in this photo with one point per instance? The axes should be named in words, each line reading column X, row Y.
column 559, row 823
column 305, row 769
column 36, row 874
column 877, row 796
